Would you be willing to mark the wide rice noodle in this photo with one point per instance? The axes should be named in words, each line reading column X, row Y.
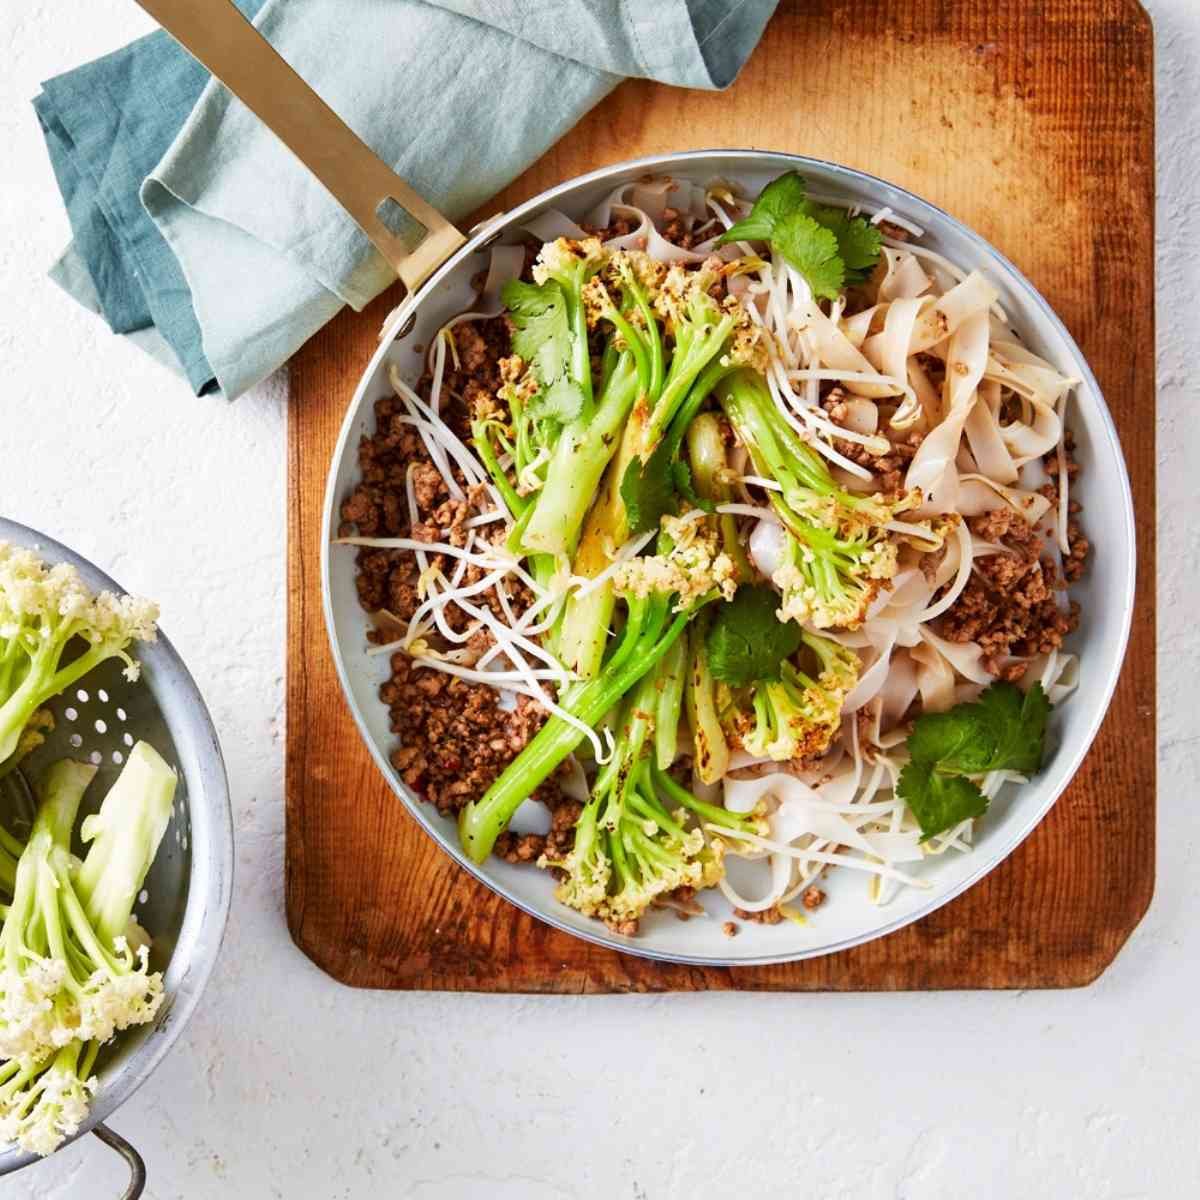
column 963, row 301
column 988, row 447
column 834, row 349
column 889, row 352
column 935, row 678
column 550, row 225
column 978, row 494
column 904, row 277
column 932, row 469
column 965, row 657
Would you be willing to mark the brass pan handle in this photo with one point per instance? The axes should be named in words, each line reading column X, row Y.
column 216, row 33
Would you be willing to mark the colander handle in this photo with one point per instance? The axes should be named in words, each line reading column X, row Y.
column 137, row 1168
column 216, row 33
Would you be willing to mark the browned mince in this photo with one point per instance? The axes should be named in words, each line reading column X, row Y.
column 453, row 738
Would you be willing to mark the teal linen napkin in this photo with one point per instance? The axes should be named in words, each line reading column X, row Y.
column 191, row 219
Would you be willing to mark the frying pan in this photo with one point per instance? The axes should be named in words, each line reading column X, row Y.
column 438, row 271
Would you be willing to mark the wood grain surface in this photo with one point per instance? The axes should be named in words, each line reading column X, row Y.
column 1030, row 120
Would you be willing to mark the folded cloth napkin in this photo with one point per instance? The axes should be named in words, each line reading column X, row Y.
column 191, row 218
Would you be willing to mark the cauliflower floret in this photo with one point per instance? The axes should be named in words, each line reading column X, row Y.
column 626, row 273
column 796, row 717
column 749, row 346
column 42, row 611
column 832, row 598
column 693, row 567
column 30, row 1022
column 647, row 272
column 666, row 863
column 564, row 257
column 40, row 1116
column 598, row 304
column 110, row 1003
column 684, row 292
column 802, row 602
column 880, row 560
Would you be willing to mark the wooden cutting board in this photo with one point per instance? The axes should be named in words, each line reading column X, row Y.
column 1030, row 120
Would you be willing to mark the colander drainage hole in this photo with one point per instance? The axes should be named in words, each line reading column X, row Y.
column 75, row 740
column 81, row 696
column 118, row 757
column 100, row 727
column 70, row 713
column 95, row 758
column 120, row 714
column 102, row 695
column 128, row 739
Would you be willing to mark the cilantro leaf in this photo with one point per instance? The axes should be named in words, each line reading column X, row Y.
column 747, row 641
column 562, row 402
column 779, row 199
column 958, row 737
column 813, row 251
column 859, row 242
column 649, row 488
column 681, row 476
column 939, row 802
column 542, row 336
column 796, row 228
column 1019, row 719
column 1005, row 729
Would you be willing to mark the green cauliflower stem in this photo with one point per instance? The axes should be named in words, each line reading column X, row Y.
column 708, row 460
column 838, row 551
column 638, row 837
column 635, row 278
column 646, row 456
column 69, row 977
column 672, row 679
column 123, row 838
column 571, row 264
column 711, row 757
column 576, row 465
column 60, row 979
column 8, row 868
column 648, row 635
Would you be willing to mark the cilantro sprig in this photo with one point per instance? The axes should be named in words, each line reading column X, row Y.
column 747, row 642
column 830, row 249
column 541, row 334
column 1005, row 729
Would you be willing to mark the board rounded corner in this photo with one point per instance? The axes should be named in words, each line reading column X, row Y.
column 1138, row 907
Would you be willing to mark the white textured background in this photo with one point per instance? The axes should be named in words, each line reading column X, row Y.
column 289, row 1085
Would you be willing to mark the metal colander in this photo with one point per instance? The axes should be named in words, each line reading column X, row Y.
column 185, row 901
